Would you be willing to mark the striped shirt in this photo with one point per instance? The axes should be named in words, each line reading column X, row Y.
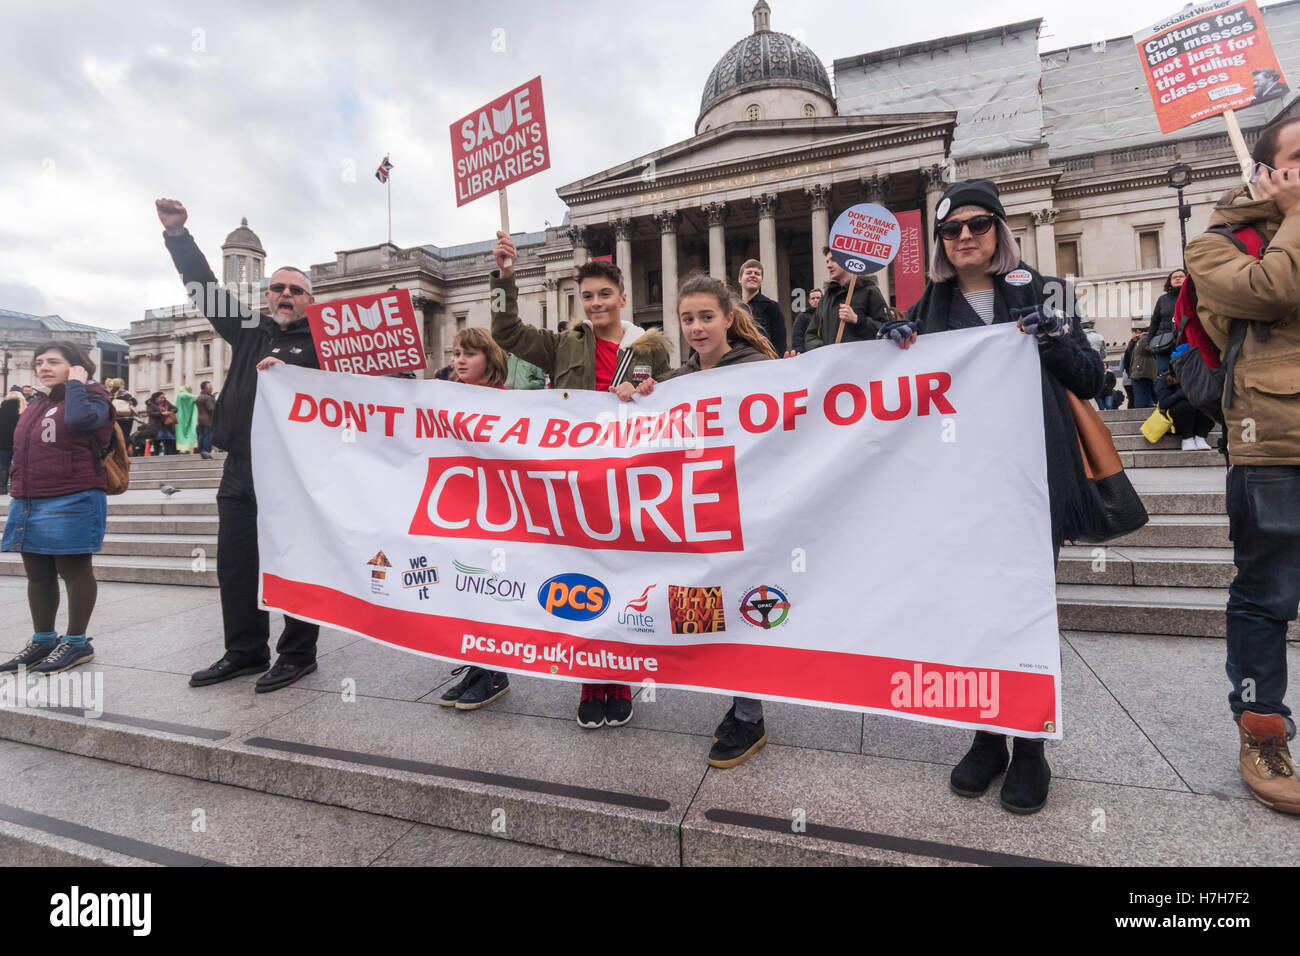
column 982, row 303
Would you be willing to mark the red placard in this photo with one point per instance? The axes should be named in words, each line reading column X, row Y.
column 501, row 143
column 368, row 334
column 909, row 265
column 1206, row 60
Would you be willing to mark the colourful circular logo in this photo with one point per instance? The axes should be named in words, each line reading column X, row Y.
column 765, row 606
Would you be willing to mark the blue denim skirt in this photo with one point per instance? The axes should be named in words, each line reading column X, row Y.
column 68, row 524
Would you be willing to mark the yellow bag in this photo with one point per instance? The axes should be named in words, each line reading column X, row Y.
column 1155, row 427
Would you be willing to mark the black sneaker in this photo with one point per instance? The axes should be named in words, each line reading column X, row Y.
column 65, row 656
column 618, row 704
column 591, row 709
column 33, row 653
column 452, row 694
column 728, row 718
column 489, row 686
column 737, row 742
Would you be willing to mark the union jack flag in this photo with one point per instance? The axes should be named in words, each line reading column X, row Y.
column 382, row 172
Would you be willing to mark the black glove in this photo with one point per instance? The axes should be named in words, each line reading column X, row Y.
column 1043, row 322
column 899, row 331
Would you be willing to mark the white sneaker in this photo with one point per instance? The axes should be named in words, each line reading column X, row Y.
column 1189, row 444
column 1202, row 444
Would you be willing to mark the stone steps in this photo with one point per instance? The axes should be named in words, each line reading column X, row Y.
column 140, row 568
column 95, row 821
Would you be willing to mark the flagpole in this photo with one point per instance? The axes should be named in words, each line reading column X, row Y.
column 389, row 184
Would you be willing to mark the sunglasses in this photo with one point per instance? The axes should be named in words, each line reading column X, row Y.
column 978, row 226
column 278, row 287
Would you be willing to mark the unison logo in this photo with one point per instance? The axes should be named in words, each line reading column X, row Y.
column 74, row 909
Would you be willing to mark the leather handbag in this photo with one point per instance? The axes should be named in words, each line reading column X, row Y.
column 1114, row 507
column 169, row 419
column 1162, row 343
column 1155, row 427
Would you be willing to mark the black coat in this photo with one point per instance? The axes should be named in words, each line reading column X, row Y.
column 1069, row 362
column 8, row 422
column 1162, row 317
column 770, row 320
column 800, row 330
column 868, row 303
column 251, row 340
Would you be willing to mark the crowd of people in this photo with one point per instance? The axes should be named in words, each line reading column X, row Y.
column 976, row 278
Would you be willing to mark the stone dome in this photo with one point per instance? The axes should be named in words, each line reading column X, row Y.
column 765, row 59
column 244, row 238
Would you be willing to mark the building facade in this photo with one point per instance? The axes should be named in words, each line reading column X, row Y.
column 779, row 151
column 21, row 334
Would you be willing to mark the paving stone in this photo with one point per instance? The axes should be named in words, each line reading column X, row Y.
column 435, row 846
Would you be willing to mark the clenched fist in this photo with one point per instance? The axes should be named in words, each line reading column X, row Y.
column 172, row 215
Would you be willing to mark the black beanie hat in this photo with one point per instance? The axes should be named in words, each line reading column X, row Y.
column 973, row 192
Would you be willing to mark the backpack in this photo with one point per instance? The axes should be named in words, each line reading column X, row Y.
column 113, row 463
column 1204, row 374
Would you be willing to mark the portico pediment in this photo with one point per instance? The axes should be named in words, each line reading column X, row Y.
column 752, row 148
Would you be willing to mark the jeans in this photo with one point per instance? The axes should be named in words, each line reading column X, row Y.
column 1144, row 393
column 1264, row 522
column 205, row 439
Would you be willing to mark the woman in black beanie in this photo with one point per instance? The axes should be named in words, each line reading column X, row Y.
column 977, row 278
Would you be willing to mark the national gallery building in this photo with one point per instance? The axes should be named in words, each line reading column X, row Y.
column 778, row 151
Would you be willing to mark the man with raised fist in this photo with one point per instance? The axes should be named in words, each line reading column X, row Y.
column 258, row 340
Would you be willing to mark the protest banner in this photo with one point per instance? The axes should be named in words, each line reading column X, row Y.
column 374, row 334
column 681, row 539
column 864, row 239
column 499, row 144
column 1209, row 60
column 909, row 265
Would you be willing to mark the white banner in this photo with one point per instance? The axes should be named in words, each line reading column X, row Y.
column 860, row 527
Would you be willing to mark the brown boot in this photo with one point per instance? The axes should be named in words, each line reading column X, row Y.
column 1266, row 764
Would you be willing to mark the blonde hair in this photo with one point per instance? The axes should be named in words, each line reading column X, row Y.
column 743, row 327
column 480, row 340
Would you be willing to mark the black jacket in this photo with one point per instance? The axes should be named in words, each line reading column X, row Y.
column 741, row 353
column 770, row 320
column 867, row 302
column 8, row 422
column 800, row 330
column 1068, row 362
column 1162, row 317
column 251, row 340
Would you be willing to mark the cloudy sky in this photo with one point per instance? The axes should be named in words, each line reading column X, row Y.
column 280, row 112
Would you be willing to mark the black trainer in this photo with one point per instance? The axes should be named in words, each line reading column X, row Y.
column 738, row 740
column 1025, row 789
column 33, row 653
column 452, row 694
column 489, row 686
column 728, row 718
column 986, row 759
column 618, row 704
column 591, row 709
column 65, row 656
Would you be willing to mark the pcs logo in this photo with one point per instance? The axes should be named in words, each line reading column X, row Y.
column 573, row 597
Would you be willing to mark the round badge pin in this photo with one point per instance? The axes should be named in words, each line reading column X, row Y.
column 944, row 206
column 1019, row 277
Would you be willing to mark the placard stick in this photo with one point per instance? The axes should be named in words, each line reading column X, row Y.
column 505, row 218
column 1239, row 147
column 848, row 300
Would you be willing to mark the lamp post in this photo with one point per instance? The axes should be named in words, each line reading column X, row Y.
column 5, row 391
column 1180, row 176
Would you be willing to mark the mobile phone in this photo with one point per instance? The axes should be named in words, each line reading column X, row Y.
column 1255, row 171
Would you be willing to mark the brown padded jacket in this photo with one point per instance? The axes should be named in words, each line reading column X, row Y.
column 1263, row 422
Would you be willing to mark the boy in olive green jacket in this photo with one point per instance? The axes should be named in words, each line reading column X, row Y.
column 602, row 353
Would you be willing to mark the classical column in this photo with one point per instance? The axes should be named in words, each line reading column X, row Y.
column 717, row 215
column 623, row 259
column 218, row 362
column 578, row 236
column 668, row 241
column 1045, row 240
column 766, row 203
column 935, row 186
column 553, row 319
column 875, row 189
column 193, row 353
column 819, row 195
column 178, row 360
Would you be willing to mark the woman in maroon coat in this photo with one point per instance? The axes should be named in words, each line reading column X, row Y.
column 58, row 510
